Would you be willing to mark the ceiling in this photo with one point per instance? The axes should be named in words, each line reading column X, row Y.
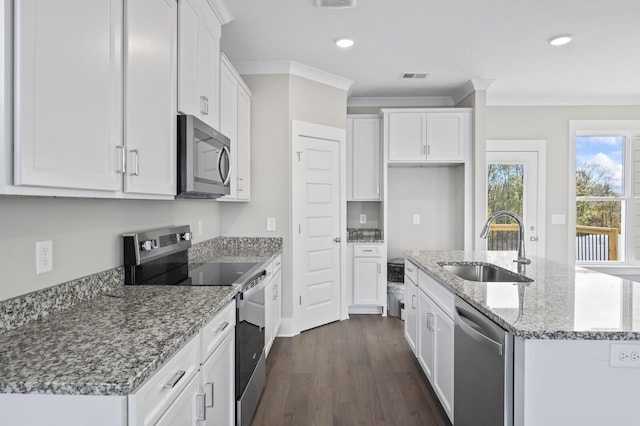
column 499, row 44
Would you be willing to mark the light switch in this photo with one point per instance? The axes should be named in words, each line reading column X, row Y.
column 416, row 219
column 271, row 224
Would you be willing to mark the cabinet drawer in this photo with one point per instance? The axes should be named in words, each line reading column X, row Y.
column 442, row 296
column 411, row 271
column 154, row 397
column 181, row 412
column 366, row 250
column 215, row 330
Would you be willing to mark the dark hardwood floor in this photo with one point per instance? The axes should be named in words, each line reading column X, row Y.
column 354, row 372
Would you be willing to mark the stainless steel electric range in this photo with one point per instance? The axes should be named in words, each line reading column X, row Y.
column 160, row 257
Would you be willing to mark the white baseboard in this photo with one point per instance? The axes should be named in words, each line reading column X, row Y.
column 286, row 328
column 359, row 309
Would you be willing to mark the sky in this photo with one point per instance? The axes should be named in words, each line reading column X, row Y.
column 606, row 151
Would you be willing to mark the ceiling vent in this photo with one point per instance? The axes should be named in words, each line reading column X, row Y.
column 335, row 4
column 414, row 75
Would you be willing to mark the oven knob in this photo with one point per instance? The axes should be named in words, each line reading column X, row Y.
column 186, row 236
column 146, row 245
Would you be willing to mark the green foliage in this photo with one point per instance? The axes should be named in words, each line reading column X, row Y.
column 593, row 180
column 505, row 185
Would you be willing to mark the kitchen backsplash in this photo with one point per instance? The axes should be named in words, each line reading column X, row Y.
column 22, row 309
column 365, row 234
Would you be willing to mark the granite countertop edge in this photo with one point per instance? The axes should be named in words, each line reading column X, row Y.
column 459, row 288
column 74, row 384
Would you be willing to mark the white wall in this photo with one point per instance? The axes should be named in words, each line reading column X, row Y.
column 276, row 100
column 437, row 195
column 86, row 234
column 550, row 123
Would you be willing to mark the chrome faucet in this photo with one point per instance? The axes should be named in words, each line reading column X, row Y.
column 521, row 260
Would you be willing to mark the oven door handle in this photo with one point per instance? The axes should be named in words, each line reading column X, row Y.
column 257, row 287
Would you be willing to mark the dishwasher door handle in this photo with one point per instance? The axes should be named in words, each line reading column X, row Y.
column 465, row 326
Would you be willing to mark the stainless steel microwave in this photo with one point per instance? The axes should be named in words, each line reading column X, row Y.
column 204, row 162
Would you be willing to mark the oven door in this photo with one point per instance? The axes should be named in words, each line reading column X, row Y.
column 204, row 163
column 250, row 333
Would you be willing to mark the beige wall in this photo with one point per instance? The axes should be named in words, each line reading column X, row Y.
column 276, row 100
column 437, row 195
column 86, row 234
column 550, row 123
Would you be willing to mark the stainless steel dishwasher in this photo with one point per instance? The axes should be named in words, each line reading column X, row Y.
column 483, row 370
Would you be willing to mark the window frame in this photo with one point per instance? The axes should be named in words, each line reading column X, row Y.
column 629, row 129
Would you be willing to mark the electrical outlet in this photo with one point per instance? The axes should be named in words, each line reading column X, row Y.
column 624, row 355
column 44, row 257
column 416, row 219
column 363, row 218
column 271, row 224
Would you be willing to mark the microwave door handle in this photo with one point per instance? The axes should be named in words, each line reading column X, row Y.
column 224, row 152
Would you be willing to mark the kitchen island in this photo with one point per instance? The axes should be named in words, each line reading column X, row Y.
column 575, row 334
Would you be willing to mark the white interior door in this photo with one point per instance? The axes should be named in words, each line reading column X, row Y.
column 515, row 175
column 316, row 224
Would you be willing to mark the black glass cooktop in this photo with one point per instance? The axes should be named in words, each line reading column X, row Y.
column 220, row 273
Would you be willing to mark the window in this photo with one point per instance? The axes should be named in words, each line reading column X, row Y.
column 607, row 188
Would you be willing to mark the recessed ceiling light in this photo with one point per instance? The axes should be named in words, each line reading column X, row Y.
column 344, row 42
column 560, row 39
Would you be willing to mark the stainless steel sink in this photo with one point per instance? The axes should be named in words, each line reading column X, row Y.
column 484, row 272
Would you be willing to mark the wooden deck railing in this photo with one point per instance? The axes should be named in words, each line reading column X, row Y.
column 592, row 242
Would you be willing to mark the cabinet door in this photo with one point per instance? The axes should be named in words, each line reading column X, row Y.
column 411, row 314
column 268, row 317
column 445, row 135
column 150, row 75
column 277, row 303
column 366, row 281
column 364, row 161
column 229, row 118
column 443, row 368
column 218, row 378
column 68, row 94
column 209, row 69
column 426, row 332
column 243, row 152
column 189, row 16
column 182, row 412
column 407, row 136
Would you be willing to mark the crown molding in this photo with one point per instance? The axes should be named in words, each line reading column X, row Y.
column 401, row 102
column 221, row 10
column 501, row 100
column 293, row 68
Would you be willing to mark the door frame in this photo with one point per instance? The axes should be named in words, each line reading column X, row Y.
column 539, row 147
column 303, row 128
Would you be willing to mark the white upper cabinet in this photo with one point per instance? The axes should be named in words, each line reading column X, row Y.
column 235, row 123
column 407, row 136
column 363, row 152
column 421, row 136
column 150, row 96
column 199, row 61
column 95, row 99
column 68, row 94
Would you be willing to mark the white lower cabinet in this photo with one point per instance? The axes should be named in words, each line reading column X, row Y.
column 272, row 303
column 183, row 411
column 218, row 385
column 435, row 344
column 369, row 285
column 411, row 305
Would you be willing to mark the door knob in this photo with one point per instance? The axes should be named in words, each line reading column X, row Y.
column 534, row 239
column 337, row 240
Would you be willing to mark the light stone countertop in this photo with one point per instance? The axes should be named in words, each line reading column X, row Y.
column 112, row 342
column 562, row 302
